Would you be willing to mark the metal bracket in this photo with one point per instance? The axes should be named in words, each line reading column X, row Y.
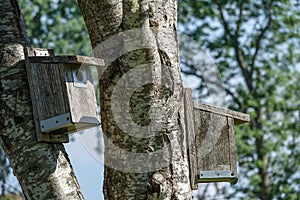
column 53, row 123
column 40, row 52
column 217, row 174
column 80, row 77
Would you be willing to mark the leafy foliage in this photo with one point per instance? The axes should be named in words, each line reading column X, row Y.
column 56, row 24
column 254, row 44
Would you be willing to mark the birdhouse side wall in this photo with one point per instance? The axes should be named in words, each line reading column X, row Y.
column 49, row 96
column 50, row 92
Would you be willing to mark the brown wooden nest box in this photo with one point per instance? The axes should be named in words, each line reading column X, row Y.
column 211, row 141
column 62, row 92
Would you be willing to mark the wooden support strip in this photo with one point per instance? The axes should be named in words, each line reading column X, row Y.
column 232, row 150
column 238, row 117
column 67, row 59
column 190, row 130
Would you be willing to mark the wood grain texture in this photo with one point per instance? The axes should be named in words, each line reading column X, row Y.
column 54, row 94
column 75, row 59
column 238, row 117
column 215, row 143
column 192, row 151
column 48, row 94
column 212, row 141
column 213, row 148
column 232, row 147
column 82, row 101
column 49, row 89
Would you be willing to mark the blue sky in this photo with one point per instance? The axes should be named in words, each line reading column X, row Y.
column 87, row 163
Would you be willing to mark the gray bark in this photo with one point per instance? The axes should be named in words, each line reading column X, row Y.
column 43, row 170
column 146, row 159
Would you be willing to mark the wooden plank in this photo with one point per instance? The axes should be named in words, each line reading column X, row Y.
column 189, row 122
column 75, row 59
column 50, row 93
column 82, row 101
column 232, row 147
column 212, row 141
column 238, row 117
column 36, row 79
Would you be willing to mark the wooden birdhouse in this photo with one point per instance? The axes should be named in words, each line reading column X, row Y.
column 211, row 141
column 62, row 92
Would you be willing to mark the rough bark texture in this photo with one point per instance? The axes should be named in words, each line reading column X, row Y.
column 146, row 35
column 43, row 170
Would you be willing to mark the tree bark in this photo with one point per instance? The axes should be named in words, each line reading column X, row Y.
column 43, row 170
column 141, row 98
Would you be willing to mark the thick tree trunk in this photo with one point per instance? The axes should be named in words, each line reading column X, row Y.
column 43, row 170
column 141, row 98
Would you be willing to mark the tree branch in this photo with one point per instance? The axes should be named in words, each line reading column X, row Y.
column 238, row 51
column 261, row 35
column 234, row 97
column 239, row 22
column 223, row 20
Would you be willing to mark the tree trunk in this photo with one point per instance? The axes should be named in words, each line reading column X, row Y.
column 43, row 170
column 141, row 98
column 265, row 193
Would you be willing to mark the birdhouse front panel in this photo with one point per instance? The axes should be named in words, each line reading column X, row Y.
column 81, row 95
column 215, row 147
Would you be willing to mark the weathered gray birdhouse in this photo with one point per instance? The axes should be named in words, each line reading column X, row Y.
column 211, row 141
column 62, row 92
